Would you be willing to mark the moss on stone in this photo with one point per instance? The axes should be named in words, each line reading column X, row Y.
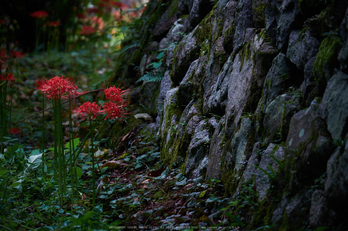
column 229, row 180
column 244, row 54
column 204, row 30
column 259, row 13
column 326, row 59
column 173, row 8
column 175, row 149
column 205, row 48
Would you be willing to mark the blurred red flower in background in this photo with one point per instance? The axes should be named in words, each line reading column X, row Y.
column 15, row 130
column 39, row 14
column 17, row 54
column 53, row 23
column 91, row 109
column 120, row 5
column 92, row 10
column 3, row 55
column 110, row 3
column 81, row 15
column 7, row 77
column 98, row 22
column 87, row 30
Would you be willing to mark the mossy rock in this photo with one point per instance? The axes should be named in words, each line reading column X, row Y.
column 326, row 59
column 173, row 8
column 259, row 13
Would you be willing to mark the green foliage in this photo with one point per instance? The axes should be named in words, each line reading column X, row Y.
column 156, row 73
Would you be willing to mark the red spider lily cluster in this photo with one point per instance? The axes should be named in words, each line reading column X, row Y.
column 63, row 88
column 113, row 109
column 88, row 108
column 114, row 94
column 57, row 88
column 39, row 14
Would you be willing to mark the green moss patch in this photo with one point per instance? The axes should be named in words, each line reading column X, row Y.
column 326, row 59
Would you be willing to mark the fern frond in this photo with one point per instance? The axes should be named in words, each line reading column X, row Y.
column 152, row 76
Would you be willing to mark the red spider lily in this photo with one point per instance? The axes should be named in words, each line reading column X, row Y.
column 17, row 54
column 15, row 130
column 53, row 23
column 92, row 10
column 113, row 110
column 115, row 94
column 87, row 30
column 119, row 5
column 7, row 77
column 57, row 87
column 80, row 15
column 104, row 4
column 91, row 109
column 39, row 14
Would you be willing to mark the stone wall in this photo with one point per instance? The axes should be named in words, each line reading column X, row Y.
column 255, row 92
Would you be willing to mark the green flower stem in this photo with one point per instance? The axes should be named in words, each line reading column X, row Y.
column 3, row 113
column 10, row 109
column 62, row 165
column 43, row 135
column 73, row 176
column 93, row 162
column 55, row 158
column 59, row 152
column 82, row 143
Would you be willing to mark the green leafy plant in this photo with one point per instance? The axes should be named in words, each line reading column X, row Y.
column 156, row 73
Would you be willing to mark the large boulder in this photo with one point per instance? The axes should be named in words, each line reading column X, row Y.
column 186, row 52
column 309, row 140
column 243, row 21
column 343, row 55
column 281, row 17
column 215, row 151
column 302, row 48
column 215, row 99
column 277, row 117
column 333, row 108
column 198, row 150
column 282, row 75
column 239, row 150
column 336, row 186
column 247, row 77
